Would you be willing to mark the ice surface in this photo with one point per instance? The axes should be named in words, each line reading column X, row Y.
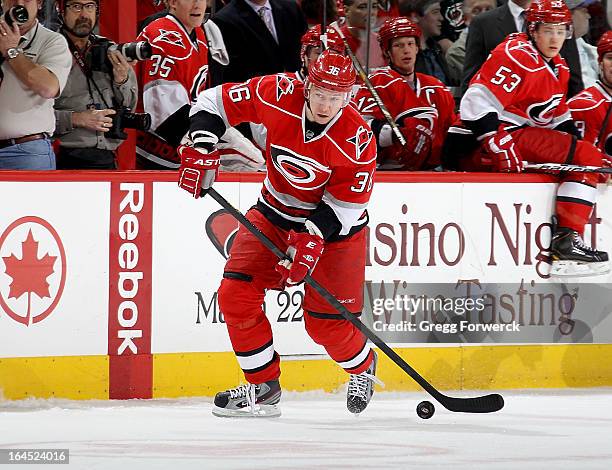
column 536, row 430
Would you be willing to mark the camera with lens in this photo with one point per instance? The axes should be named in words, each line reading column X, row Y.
column 123, row 119
column 98, row 55
column 18, row 14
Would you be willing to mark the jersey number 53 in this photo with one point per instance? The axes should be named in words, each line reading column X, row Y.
column 508, row 80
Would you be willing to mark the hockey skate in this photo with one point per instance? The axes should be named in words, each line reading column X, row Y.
column 361, row 388
column 249, row 400
column 572, row 257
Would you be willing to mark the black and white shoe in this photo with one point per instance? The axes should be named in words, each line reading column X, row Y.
column 572, row 257
column 361, row 388
column 249, row 400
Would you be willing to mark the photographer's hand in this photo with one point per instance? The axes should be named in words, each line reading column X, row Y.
column 94, row 119
column 121, row 68
column 9, row 37
column 35, row 77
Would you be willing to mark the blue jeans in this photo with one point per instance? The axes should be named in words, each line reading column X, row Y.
column 33, row 155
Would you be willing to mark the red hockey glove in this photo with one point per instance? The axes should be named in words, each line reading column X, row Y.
column 418, row 144
column 305, row 250
column 198, row 169
column 503, row 152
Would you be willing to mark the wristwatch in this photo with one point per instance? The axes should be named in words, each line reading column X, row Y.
column 13, row 52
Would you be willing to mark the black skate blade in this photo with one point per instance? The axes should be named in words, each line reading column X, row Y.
column 485, row 404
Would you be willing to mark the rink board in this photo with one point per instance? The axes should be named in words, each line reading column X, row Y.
column 118, row 295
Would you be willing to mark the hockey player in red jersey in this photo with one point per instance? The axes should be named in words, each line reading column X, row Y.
column 592, row 108
column 309, row 52
column 420, row 104
column 516, row 107
column 311, row 46
column 321, row 159
column 171, row 81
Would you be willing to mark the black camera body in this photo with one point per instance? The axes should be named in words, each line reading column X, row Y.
column 18, row 14
column 123, row 119
column 98, row 53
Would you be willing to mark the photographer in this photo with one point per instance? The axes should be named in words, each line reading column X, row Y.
column 35, row 63
column 100, row 83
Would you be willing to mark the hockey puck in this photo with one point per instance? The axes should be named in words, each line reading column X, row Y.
column 425, row 409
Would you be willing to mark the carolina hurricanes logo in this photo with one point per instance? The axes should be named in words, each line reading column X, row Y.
column 360, row 140
column 199, row 82
column 284, row 86
column 301, row 172
column 542, row 113
column 454, row 15
column 170, row 37
column 425, row 113
column 524, row 55
column 221, row 228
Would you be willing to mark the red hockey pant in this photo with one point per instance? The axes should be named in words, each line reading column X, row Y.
column 577, row 191
column 249, row 272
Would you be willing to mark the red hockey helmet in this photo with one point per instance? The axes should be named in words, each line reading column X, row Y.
column 550, row 12
column 332, row 71
column 604, row 45
column 312, row 38
column 399, row 27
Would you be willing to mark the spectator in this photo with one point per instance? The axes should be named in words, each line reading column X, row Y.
column 430, row 61
column 491, row 28
column 262, row 37
column 313, row 9
column 598, row 24
column 453, row 22
column 456, row 53
column 356, row 25
column 84, row 111
column 34, row 70
column 586, row 52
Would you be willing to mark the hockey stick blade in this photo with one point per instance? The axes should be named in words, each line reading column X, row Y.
column 483, row 404
column 565, row 167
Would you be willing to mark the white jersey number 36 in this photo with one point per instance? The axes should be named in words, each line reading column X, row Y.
column 364, row 182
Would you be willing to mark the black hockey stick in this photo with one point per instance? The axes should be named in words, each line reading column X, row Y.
column 564, row 167
column 483, row 404
column 324, row 25
column 604, row 124
column 364, row 76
